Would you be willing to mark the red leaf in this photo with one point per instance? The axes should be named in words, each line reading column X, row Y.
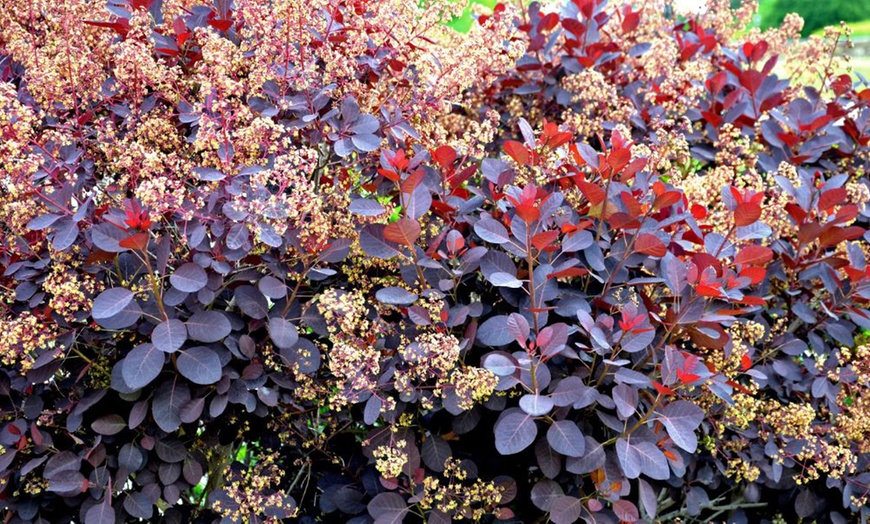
column 631, row 204
column 517, row 151
column 630, row 22
column 559, row 139
column 708, row 291
column 754, row 255
column 836, row 235
column 391, row 175
column 755, row 274
column 662, row 389
column 548, row 22
column 120, row 26
column 795, row 212
column 649, row 244
column 745, row 362
column 409, row 184
column 138, row 241
column 618, row 159
column 445, row 156
column 687, row 378
column 817, row 123
column 220, row 25
column 747, row 213
column 698, row 211
column 751, row 300
column 404, row 231
column 831, row 198
column 666, row 199
column 846, row 213
column 568, row 273
column 528, row 212
column 545, row 239
column 455, row 180
column 593, row 192
column 731, row 312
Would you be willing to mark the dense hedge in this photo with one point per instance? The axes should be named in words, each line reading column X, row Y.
column 333, row 261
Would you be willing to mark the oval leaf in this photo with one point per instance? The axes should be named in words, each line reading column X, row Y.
column 515, row 432
column 189, row 278
column 565, row 437
column 208, row 326
column 395, row 296
column 111, row 302
column 283, row 333
column 200, row 365
column 142, row 365
column 169, row 335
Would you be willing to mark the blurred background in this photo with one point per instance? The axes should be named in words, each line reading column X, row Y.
column 818, row 14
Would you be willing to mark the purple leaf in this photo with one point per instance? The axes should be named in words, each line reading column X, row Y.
column 536, row 405
column 632, row 343
column 435, row 451
column 101, row 513
column 518, row 327
column 626, row 399
column 142, row 365
column 565, row 438
column 42, row 221
column 500, row 363
column 491, row 231
column 272, row 287
column 107, row 236
column 68, row 483
column 64, row 234
column 494, row 332
column 138, row 505
column 568, row 391
column 366, row 207
column 169, row 335
column 388, row 505
column 373, row 243
column 548, row 460
column 200, row 365
column 418, row 202
column 189, row 278
column 544, row 492
column 166, row 406
column 111, row 302
column 109, row 425
column 647, row 498
column 627, row 458
column 395, row 296
column 208, row 326
column 366, row 142
column 625, row 511
column 565, row 509
column 642, row 457
column 238, row 237
column 681, row 419
column 552, row 339
column 251, row 302
column 500, row 279
column 283, row 333
column 514, row 432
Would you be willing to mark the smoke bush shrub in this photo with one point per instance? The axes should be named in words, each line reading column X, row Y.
column 333, row 261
